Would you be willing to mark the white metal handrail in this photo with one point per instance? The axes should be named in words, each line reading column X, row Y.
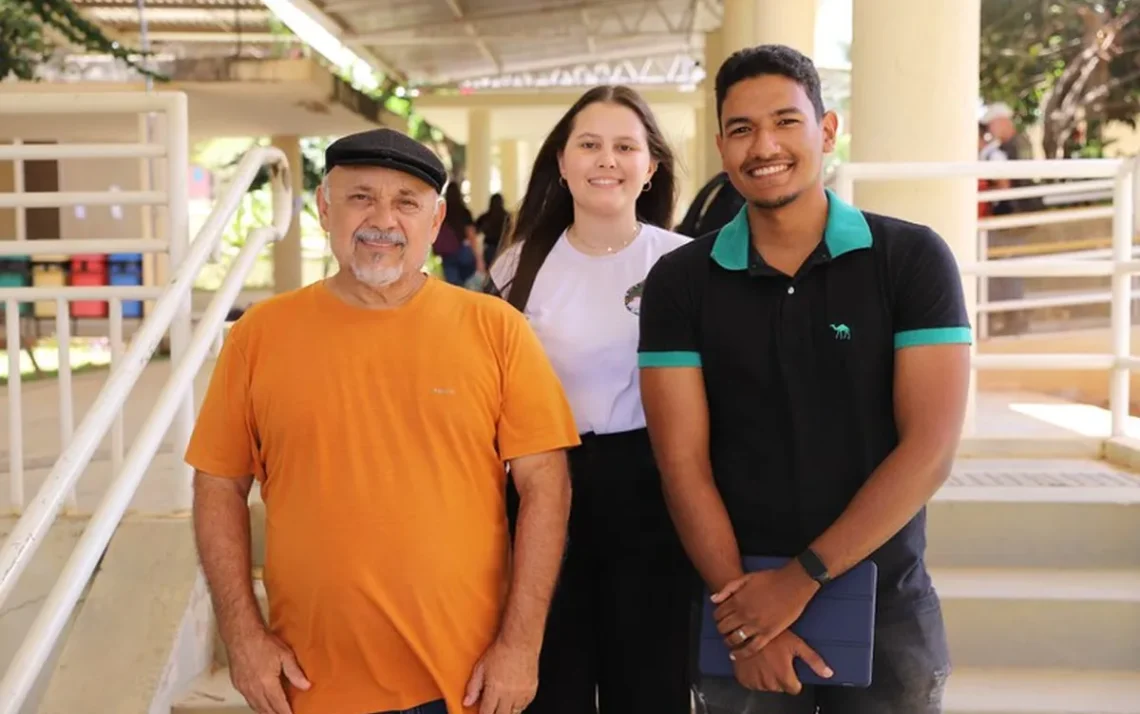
column 1120, row 267
column 29, row 531
column 1044, row 218
column 1044, row 190
column 175, row 152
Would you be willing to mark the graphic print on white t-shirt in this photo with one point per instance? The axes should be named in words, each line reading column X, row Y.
column 633, row 298
column 584, row 309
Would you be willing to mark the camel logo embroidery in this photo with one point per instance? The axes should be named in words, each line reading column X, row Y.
column 633, row 298
column 842, row 332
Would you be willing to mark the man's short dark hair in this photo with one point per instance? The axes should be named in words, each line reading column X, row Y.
column 769, row 59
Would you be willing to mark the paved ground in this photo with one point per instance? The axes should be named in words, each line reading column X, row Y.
column 999, row 414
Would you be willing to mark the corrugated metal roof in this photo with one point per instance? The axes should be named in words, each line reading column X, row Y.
column 441, row 41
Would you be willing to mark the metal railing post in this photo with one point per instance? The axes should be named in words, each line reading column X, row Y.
column 178, row 228
column 1123, row 195
column 28, row 533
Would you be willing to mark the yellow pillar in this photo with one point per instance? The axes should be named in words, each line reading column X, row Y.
column 738, row 26
column 698, row 161
column 714, row 56
column 526, row 151
column 509, row 171
column 687, row 176
column 287, row 260
column 918, row 111
column 479, row 158
column 785, row 22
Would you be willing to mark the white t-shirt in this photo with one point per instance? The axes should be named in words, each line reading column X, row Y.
column 584, row 310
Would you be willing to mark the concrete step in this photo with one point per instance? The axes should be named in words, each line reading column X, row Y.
column 1049, row 513
column 1042, row 691
column 1002, row 512
column 1042, row 618
column 969, row 691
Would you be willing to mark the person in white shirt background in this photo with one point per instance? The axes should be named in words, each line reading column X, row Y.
column 591, row 225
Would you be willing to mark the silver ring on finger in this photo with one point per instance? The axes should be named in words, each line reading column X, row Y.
column 741, row 637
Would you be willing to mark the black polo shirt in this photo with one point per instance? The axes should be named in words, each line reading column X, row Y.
column 799, row 371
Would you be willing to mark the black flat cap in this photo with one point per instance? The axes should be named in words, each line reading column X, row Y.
column 390, row 149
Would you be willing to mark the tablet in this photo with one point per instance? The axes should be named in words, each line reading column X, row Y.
column 838, row 623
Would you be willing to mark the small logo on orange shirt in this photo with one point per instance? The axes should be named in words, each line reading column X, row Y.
column 442, row 390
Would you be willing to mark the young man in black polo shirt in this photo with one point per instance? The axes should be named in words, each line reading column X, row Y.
column 805, row 374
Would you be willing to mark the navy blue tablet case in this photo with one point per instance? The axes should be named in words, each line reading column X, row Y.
column 838, row 623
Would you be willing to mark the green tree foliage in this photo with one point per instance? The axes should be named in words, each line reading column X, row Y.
column 32, row 30
column 1065, row 63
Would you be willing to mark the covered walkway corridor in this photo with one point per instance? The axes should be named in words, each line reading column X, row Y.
column 1032, row 541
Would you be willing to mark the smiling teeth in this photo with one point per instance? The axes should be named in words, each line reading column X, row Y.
column 604, row 182
column 769, row 170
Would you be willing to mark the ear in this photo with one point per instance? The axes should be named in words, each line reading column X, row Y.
column 561, row 165
column 653, row 165
column 720, row 149
column 323, row 206
column 830, row 126
column 437, row 218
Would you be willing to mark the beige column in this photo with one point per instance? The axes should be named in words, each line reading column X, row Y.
column 287, row 260
column 785, row 22
column 697, row 155
column 738, row 27
column 687, row 176
column 509, row 171
column 710, row 126
column 527, row 150
column 479, row 158
column 914, row 97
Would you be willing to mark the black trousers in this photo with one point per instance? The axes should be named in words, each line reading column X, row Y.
column 619, row 631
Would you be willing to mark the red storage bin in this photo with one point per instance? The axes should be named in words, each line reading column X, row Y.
column 89, row 270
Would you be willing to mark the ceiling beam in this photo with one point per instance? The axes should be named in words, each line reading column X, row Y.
column 176, row 14
column 473, row 34
column 519, row 36
column 96, row 5
column 591, row 43
column 494, row 15
column 212, row 37
column 549, row 98
column 334, row 28
column 558, row 62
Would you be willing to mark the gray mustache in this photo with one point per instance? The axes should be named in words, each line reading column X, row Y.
column 375, row 235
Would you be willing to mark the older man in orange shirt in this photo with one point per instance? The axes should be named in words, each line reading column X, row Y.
column 377, row 409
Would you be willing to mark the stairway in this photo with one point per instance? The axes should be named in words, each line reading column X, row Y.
column 1038, row 566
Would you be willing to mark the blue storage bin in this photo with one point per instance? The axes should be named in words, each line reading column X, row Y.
column 126, row 269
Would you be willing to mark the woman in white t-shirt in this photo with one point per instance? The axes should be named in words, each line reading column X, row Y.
column 590, row 227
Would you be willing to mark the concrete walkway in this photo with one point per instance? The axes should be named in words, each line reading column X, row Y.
column 999, row 415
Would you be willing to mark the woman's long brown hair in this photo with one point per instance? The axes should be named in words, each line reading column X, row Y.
column 548, row 208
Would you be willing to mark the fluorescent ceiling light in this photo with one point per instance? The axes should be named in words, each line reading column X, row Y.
column 361, row 75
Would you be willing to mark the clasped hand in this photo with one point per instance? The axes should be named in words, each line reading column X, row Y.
column 755, row 611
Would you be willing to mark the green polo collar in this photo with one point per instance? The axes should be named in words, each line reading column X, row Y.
column 846, row 230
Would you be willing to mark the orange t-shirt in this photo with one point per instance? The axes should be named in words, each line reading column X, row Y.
column 378, row 438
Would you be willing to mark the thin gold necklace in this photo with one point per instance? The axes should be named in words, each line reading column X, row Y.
column 571, row 233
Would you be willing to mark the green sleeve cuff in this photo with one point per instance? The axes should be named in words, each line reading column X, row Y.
column 669, row 359
column 934, row 336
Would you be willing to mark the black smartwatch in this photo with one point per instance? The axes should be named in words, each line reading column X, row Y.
column 815, row 568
